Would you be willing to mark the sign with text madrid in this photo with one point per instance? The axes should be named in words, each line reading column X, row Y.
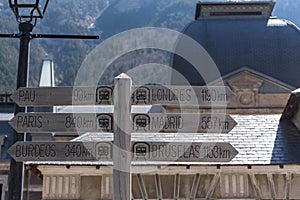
column 52, row 96
column 62, row 122
column 93, row 122
column 183, row 123
column 141, row 151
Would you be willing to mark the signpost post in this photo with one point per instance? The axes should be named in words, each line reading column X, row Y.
column 122, row 138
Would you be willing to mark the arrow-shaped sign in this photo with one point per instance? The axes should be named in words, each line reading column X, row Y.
column 142, row 151
column 102, row 95
column 52, row 96
column 90, row 122
column 61, row 151
column 187, row 95
column 183, row 123
column 62, row 122
column 184, row 151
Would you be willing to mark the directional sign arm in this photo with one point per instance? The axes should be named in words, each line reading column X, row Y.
column 202, row 96
column 183, row 123
column 61, row 151
column 144, row 95
column 142, row 151
column 183, row 151
column 62, row 122
column 52, row 96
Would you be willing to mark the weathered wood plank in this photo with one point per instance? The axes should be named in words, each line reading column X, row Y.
column 52, row 96
column 183, row 123
column 181, row 95
column 62, row 122
column 141, row 151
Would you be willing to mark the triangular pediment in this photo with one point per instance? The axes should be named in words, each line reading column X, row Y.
column 248, row 79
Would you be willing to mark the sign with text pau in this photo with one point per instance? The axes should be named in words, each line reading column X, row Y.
column 142, row 95
column 93, row 122
column 141, row 151
column 52, row 96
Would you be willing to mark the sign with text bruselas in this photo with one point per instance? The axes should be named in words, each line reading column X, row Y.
column 141, row 151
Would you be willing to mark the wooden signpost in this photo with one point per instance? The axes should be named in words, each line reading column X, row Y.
column 142, row 151
column 62, row 122
column 122, row 123
column 141, row 95
column 122, row 138
column 61, row 151
column 183, row 123
column 93, row 122
column 183, row 151
column 202, row 96
column 53, row 96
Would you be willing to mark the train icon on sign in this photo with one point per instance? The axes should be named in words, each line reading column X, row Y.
column 103, row 151
column 141, row 151
column 141, row 95
column 105, row 122
column 104, row 95
column 141, row 122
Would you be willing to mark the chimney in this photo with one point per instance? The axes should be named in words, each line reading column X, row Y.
column 291, row 112
column 46, row 80
column 47, row 74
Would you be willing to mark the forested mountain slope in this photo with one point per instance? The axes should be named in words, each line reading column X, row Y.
column 96, row 17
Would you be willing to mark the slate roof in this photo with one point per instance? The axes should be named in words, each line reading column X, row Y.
column 269, row 46
column 259, row 139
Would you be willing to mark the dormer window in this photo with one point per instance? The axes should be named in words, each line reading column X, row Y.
column 236, row 10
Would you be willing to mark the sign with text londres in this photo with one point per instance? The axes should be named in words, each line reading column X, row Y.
column 141, row 95
column 185, row 95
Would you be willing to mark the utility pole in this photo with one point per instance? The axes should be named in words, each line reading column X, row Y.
column 27, row 20
column 16, row 173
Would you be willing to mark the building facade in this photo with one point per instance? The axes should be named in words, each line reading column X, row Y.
column 250, row 49
column 256, row 55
